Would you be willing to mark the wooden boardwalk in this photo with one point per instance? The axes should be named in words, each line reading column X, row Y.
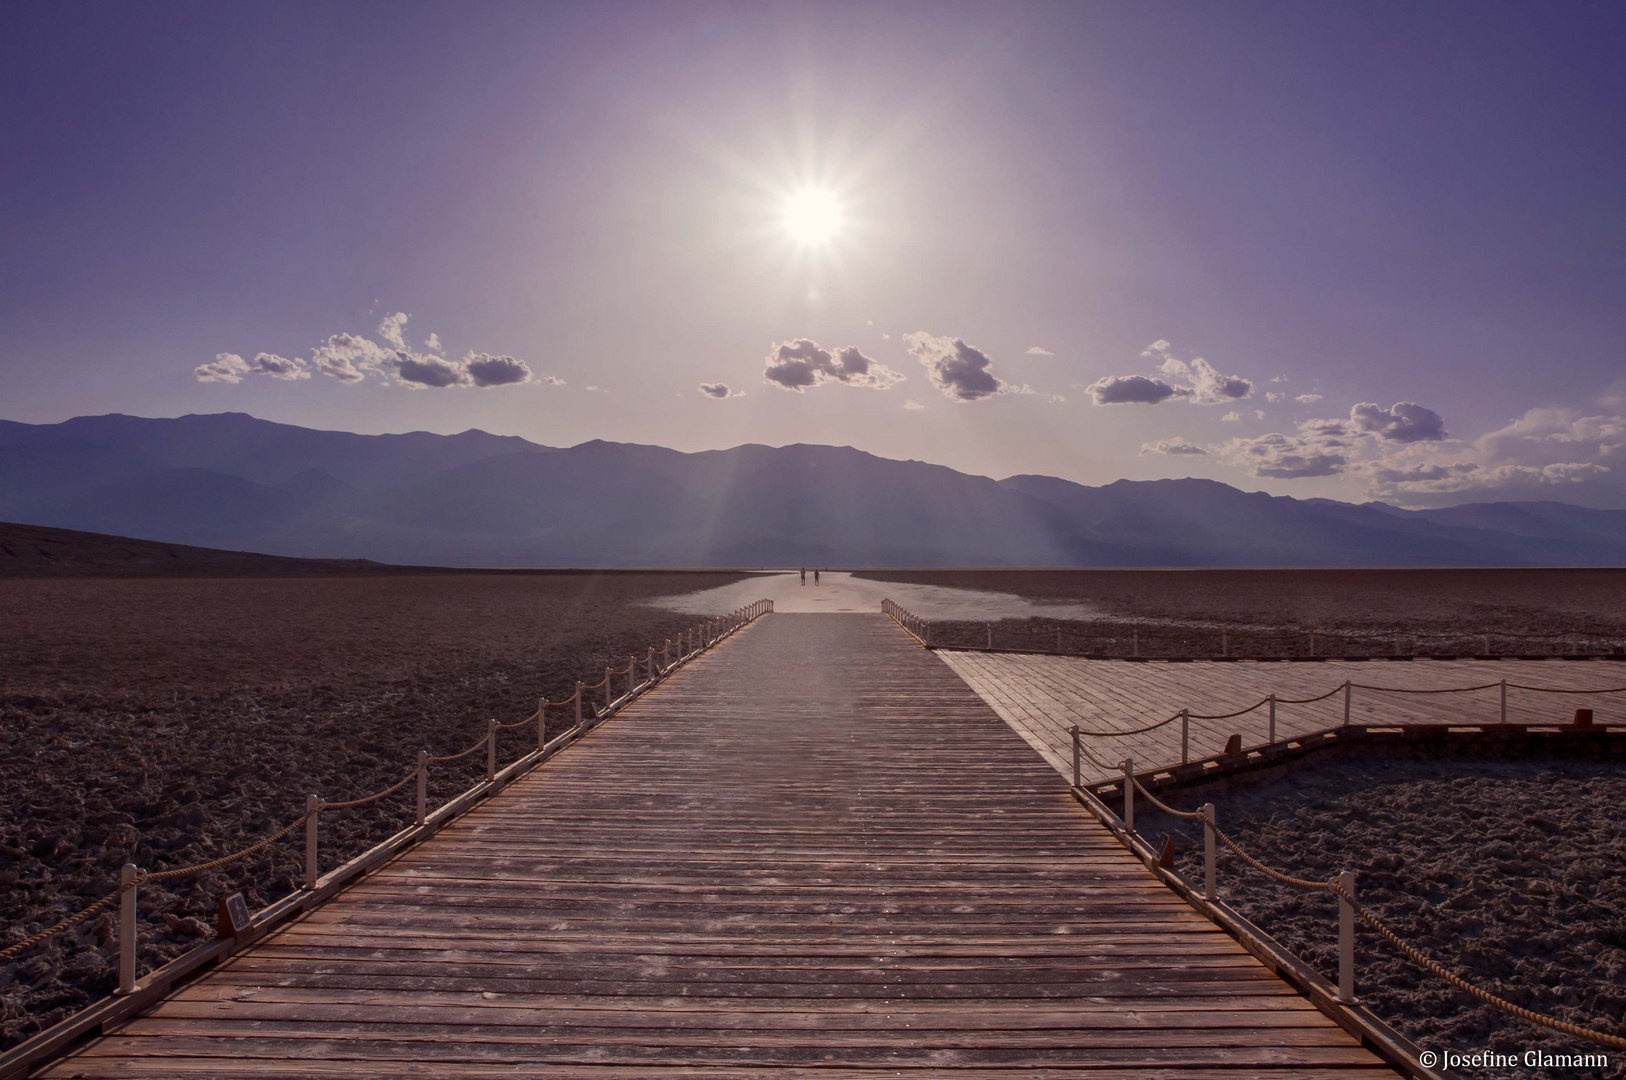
column 814, row 852
column 1043, row 696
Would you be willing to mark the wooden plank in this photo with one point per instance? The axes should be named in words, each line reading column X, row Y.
column 814, row 849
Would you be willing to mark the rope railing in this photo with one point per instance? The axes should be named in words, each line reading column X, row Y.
column 690, row 644
column 1350, row 909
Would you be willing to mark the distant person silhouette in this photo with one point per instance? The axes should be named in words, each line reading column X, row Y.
column 815, row 575
column 804, row 575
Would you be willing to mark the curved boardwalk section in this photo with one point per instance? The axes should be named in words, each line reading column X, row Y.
column 815, row 852
column 1043, row 696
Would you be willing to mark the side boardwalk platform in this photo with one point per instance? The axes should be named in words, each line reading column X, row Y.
column 814, row 852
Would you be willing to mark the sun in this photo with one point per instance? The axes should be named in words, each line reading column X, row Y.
column 813, row 216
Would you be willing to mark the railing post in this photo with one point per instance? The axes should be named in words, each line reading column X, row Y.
column 423, row 786
column 666, row 654
column 1312, row 644
column 1208, row 851
column 928, row 634
column 1077, row 779
column 1346, row 702
column 632, row 675
column 1137, row 642
column 608, row 675
column 1225, row 643
column 1129, row 795
column 127, row 928
column 491, row 750
column 1504, row 701
column 313, row 808
column 990, row 637
column 1185, row 736
column 1346, row 938
column 1058, row 641
column 541, row 723
column 577, row 697
column 1273, row 718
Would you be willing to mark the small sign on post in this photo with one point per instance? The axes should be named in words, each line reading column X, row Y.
column 231, row 915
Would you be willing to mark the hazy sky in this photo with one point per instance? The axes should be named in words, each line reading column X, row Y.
column 1395, row 234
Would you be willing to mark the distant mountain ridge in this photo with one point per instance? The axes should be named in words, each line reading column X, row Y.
column 475, row 499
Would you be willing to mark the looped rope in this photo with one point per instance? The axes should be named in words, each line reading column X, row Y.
column 1132, row 731
column 101, row 905
column 188, row 871
column 465, row 753
column 403, row 782
column 1227, row 716
column 520, row 723
column 1161, row 805
column 1561, row 690
column 1439, row 971
column 1445, row 690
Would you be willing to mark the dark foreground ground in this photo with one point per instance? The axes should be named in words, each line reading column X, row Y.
column 1275, row 612
column 167, row 722
column 1512, row 873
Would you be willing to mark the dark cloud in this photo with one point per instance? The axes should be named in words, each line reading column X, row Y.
column 431, row 371
column 714, row 389
column 488, row 370
column 958, row 370
column 801, row 363
column 1130, row 390
column 1404, row 422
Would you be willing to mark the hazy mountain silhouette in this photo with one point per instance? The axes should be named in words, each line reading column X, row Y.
column 475, row 499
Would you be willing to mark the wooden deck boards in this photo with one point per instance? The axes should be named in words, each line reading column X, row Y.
column 1041, row 697
column 814, row 852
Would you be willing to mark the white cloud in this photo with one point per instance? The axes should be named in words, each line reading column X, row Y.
column 1057, row 399
column 1273, row 397
column 352, row 358
column 913, row 405
column 1175, row 447
column 1038, row 350
column 1307, row 399
column 225, row 368
column 1231, row 417
column 1284, row 457
column 1196, row 380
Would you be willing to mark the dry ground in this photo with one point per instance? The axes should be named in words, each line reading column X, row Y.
column 169, row 721
column 1274, row 612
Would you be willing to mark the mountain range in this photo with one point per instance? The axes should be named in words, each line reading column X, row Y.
column 474, row 499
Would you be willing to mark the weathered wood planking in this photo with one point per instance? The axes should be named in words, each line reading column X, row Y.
column 1043, row 696
column 813, row 853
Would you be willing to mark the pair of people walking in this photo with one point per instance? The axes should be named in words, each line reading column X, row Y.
column 815, row 576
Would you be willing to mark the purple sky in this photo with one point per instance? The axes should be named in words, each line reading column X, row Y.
column 1341, row 208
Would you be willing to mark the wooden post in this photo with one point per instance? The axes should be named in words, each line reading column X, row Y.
column 632, row 676
column 1312, row 643
column 1208, row 851
column 1225, row 644
column 423, row 786
column 666, row 654
column 1346, row 939
column 1346, row 702
column 1058, row 641
column 1504, row 701
column 1273, row 718
column 127, row 928
column 1137, row 642
column 1129, row 795
column 313, row 807
column 990, row 637
column 541, row 723
column 577, row 697
column 1487, row 645
column 491, row 750
column 1185, row 736
column 1077, row 777
column 608, row 675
